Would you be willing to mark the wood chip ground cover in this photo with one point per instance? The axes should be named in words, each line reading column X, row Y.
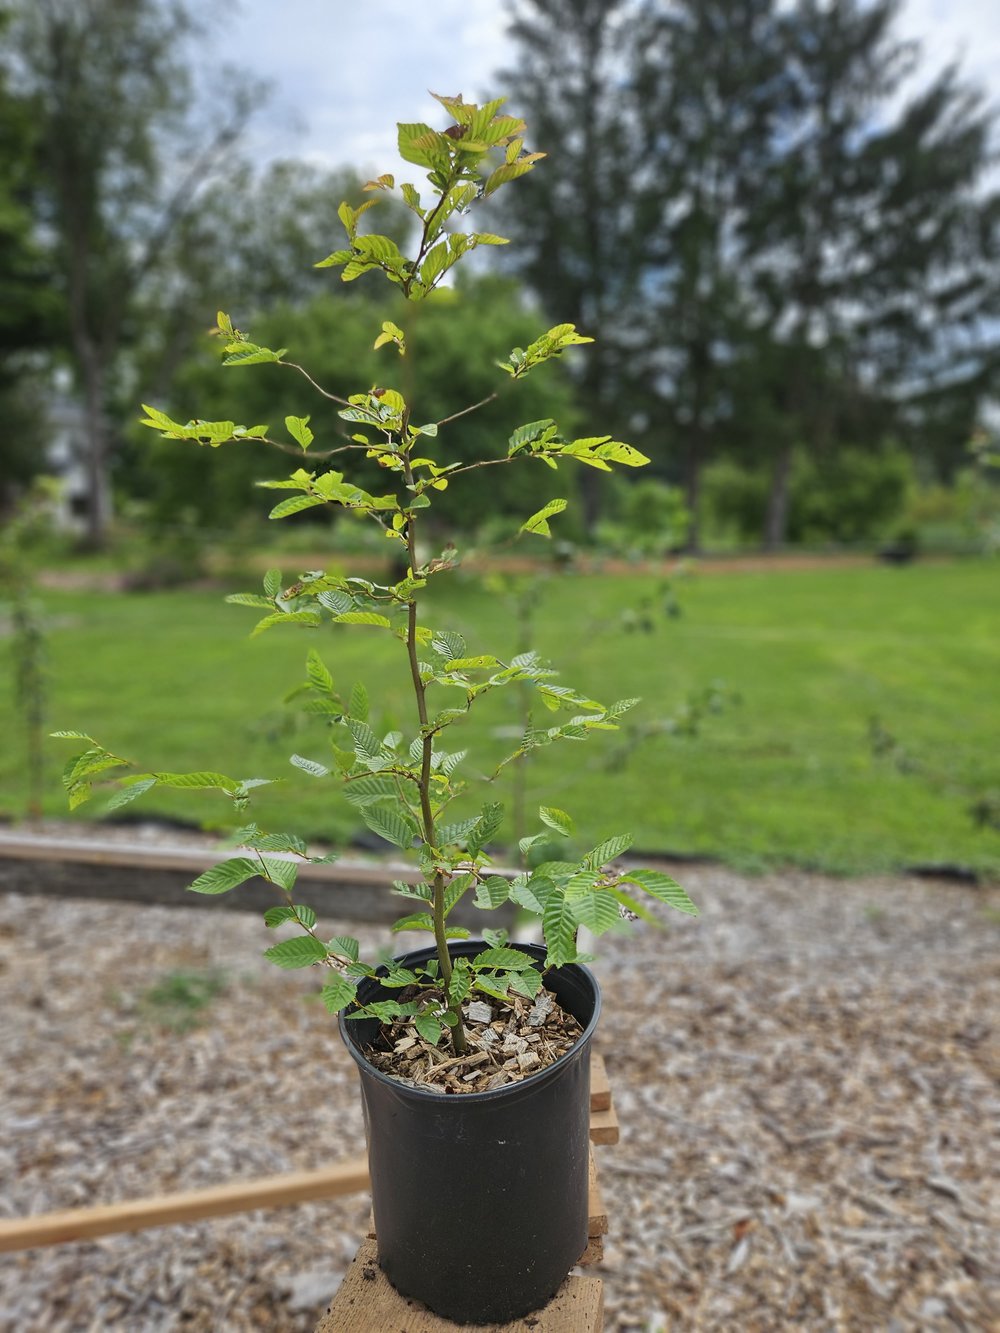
column 506, row 1042
column 806, row 1079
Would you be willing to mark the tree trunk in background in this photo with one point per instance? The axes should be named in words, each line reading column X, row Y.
column 778, row 501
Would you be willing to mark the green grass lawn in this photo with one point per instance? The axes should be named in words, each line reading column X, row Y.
column 786, row 775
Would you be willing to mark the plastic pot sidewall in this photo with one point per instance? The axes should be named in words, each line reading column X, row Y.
column 481, row 1199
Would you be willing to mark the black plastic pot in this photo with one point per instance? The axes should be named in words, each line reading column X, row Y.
column 480, row 1199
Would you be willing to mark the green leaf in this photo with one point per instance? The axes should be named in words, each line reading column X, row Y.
column 597, row 910
column 607, row 851
column 298, row 429
column 558, row 820
column 302, row 951
column 448, row 644
column 305, row 619
column 492, row 893
column 249, row 599
column 472, row 663
column 662, row 887
column 490, row 820
column 559, row 925
column 363, row 618
column 511, row 960
column 272, row 583
column 429, row 1026
column 217, row 781
column 346, row 946
column 310, row 766
column 527, row 983
column 277, row 916
column 460, row 985
column 294, row 504
column 538, row 522
column 338, row 993
column 318, row 673
column 358, row 706
column 226, row 876
column 279, row 871
column 416, row 921
column 128, row 794
column 390, row 823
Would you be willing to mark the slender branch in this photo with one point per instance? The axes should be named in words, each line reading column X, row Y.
column 318, row 387
column 426, row 809
column 466, row 410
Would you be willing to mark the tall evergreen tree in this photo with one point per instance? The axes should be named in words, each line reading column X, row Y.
column 576, row 230
column 790, row 246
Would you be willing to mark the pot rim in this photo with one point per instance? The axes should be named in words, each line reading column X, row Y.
column 490, row 1094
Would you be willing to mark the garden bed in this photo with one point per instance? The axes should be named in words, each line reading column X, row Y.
column 803, row 1094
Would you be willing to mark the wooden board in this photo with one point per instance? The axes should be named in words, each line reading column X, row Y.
column 597, row 1213
column 600, row 1088
column 366, row 1303
column 604, row 1126
column 355, row 889
column 190, row 1206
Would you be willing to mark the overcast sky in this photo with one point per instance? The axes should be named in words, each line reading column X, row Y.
column 337, row 98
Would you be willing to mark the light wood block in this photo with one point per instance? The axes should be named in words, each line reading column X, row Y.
column 366, row 1303
column 604, row 1126
column 597, row 1213
column 600, row 1088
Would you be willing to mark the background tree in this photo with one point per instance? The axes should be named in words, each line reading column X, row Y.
column 122, row 159
column 576, row 233
column 29, row 311
column 788, row 227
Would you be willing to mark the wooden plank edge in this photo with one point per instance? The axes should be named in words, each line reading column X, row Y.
column 78, row 1224
column 600, row 1088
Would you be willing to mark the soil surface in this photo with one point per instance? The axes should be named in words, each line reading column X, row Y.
column 806, row 1078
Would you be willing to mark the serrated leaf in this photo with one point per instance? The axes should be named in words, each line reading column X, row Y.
column 511, row 960
column 492, row 893
column 226, row 876
column 358, row 706
column 294, row 504
column 559, row 926
column 388, row 823
column 527, row 983
column 338, row 993
column 249, row 599
column 298, row 429
column 346, row 946
column 128, row 794
column 197, row 781
column 302, row 951
column 363, row 618
column 429, row 1026
column 448, row 644
column 272, row 583
column 277, row 916
column 538, row 522
column 596, row 910
column 607, row 851
column 318, row 672
column 662, row 887
column 303, row 619
column 310, row 766
column 279, row 871
column 557, row 820
column 460, row 985
column 415, row 921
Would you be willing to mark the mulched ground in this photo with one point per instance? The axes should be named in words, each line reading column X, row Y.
column 806, row 1076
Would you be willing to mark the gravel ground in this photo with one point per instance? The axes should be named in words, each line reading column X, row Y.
column 806, row 1078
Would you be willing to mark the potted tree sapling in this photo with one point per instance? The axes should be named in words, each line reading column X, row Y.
column 473, row 1053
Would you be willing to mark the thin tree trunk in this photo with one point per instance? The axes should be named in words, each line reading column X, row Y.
column 778, row 501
